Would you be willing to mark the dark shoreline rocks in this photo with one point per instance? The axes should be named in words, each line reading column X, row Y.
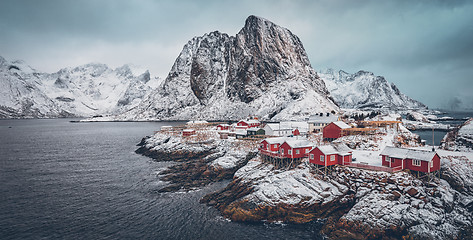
column 193, row 169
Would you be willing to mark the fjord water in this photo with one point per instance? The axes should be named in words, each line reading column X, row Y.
column 63, row 180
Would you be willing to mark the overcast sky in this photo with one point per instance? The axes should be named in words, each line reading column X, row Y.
column 424, row 47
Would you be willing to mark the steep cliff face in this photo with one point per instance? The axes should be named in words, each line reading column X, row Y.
column 91, row 89
column 262, row 71
column 366, row 90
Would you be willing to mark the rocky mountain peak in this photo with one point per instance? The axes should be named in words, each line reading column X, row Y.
column 260, row 71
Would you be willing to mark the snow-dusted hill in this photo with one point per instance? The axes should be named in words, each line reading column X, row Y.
column 262, row 71
column 366, row 90
column 88, row 90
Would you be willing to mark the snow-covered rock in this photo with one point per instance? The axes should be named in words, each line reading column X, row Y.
column 263, row 71
column 366, row 90
column 460, row 138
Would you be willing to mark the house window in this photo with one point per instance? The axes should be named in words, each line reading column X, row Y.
column 261, row 146
column 297, row 151
column 311, row 156
column 282, row 150
column 289, row 151
column 432, row 164
column 322, row 158
column 332, row 158
column 416, row 162
column 307, row 151
column 388, row 159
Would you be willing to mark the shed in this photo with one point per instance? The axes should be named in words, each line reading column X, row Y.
column 334, row 130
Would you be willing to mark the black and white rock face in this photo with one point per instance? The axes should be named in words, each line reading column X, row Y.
column 92, row 89
column 365, row 90
column 262, row 71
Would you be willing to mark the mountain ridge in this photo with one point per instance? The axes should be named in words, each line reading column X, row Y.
column 263, row 70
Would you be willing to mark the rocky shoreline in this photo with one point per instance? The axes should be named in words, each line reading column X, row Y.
column 194, row 168
column 350, row 203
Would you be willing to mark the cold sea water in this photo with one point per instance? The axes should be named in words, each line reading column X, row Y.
column 63, row 180
column 437, row 135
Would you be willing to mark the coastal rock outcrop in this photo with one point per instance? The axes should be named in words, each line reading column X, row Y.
column 202, row 159
column 355, row 203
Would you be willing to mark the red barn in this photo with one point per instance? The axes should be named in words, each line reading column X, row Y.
column 295, row 148
column 328, row 155
column 249, row 123
column 334, row 130
column 412, row 159
column 223, row 127
column 296, row 132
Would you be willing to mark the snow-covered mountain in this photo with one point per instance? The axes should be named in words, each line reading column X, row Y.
column 366, row 90
column 88, row 90
column 20, row 94
column 263, row 71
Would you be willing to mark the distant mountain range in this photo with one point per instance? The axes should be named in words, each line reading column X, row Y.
column 364, row 90
column 262, row 71
column 84, row 91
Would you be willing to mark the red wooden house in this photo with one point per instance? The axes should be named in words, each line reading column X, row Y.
column 334, row 130
column 249, row 123
column 221, row 127
column 412, row 159
column 328, row 155
column 295, row 148
column 188, row 132
column 271, row 146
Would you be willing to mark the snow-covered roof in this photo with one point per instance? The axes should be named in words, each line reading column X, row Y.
column 299, row 143
column 277, row 127
column 275, row 140
column 224, row 125
column 335, row 148
column 341, row 125
column 302, row 126
column 241, row 132
column 250, row 121
column 188, row 130
column 403, row 153
column 253, row 129
column 323, row 119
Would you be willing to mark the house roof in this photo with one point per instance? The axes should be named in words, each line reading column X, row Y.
column 299, row 143
column 341, row 124
column 403, row 153
column 302, row 126
column 241, row 132
column 335, row 148
column 323, row 119
column 253, row 129
column 275, row 140
column 250, row 121
column 224, row 125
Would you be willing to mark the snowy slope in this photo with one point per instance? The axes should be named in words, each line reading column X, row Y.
column 20, row 95
column 365, row 90
column 262, row 71
column 92, row 89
